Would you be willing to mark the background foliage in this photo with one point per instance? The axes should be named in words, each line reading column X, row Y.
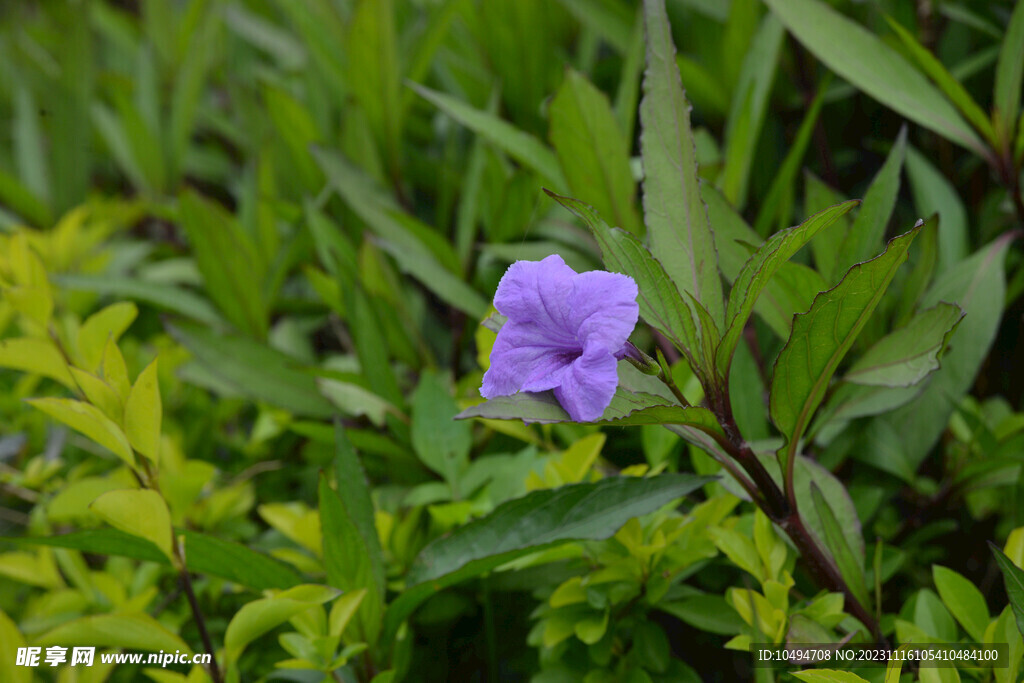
column 246, row 249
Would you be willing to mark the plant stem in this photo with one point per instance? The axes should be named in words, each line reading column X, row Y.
column 186, row 582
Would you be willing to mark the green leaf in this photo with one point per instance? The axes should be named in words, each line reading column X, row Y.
column 677, row 222
column 592, row 150
column 139, row 512
column 872, row 66
column 976, row 285
column 905, row 357
column 259, row 616
column 609, row 18
column 1010, row 71
column 107, row 323
column 254, row 370
column 823, row 335
column 709, row 613
column 203, row 555
column 758, row 271
column 521, row 146
column 933, row 193
column 143, row 412
column 851, row 567
column 90, row 421
column 932, row 617
column 951, row 87
column 354, row 492
column 867, row 233
column 9, row 670
column 352, row 399
column 660, row 302
column 541, row 519
column 128, row 631
column 228, row 262
column 809, row 473
column 442, row 443
column 36, row 355
column 161, row 295
column 794, row 285
column 349, row 561
column 749, row 103
column 30, row 146
column 372, row 44
column 189, row 80
column 1013, row 576
column 964, row 600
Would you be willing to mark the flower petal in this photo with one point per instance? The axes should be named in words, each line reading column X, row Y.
column 589, row 385
column 538, row 292
column 523, row 359
column 603, row 308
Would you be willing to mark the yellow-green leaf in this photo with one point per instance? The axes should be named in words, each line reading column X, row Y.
column 139, row 512
column 114, row 371
column 108, row 323
column 99, row 393
column 128, row 631
column 12, row 638
column 35, row 355
column 90, row 421
column 259, row 616
column 142, row 413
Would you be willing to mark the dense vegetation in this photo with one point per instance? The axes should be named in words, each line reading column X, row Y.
column 248, row 250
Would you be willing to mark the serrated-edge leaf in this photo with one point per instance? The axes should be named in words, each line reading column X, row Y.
column 872, row 66
column 915, row 347
column 791, row 406
column 760, row 268
column 90, row 421
column 677, row 221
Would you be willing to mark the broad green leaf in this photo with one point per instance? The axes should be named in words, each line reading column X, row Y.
column 442, row 443
column 964, row 600
column 143, row 412
column 708, row 612
column 677, row 222
column 90, row 421
column 129, row 631
column 932, row 617
column 627, row 408
column 228, row 261
column 827, row 676
column 872, row 66
column 521, row 146
column 139, row 512
column 823, row 335
column 100, row 394
column 114, row 371
column 1013, row 577
column 1009, row 72
column 541, row 519
column 259, row 616
column 349, row 562
column 905, row 357
column 36, row 355
column 850, row 401
column 254, row 370
column 758, row 271
column 867, row 233
column 933, row 193
column 949, row 85
column 592, row 150
column 162, row 295
column 660, row 302
column 110, row 322
column 749, row 104
column 809, row 474
column 977, row 286
column 851, row 567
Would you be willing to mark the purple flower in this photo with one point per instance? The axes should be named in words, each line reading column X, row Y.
column 565, row 331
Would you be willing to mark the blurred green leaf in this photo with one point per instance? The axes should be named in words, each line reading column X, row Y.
column 851, row 567
column 259, row 616
column 168, row 297
column 90, row 421
column 611, row 19
column 964, row 600
column 442, row 443
column 863, row 59
column 677, row 222
column 143, row 413
column 867, row 234
column 933, row 193
column 1009, row 72
column 592, row 151
column 134, row 631
column 1013, row 576
column 254, row 370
